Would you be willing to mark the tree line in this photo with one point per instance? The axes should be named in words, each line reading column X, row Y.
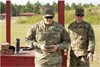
column 35, row 8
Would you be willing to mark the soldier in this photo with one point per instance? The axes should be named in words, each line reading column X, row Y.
column 48, row 38
column 82, row 41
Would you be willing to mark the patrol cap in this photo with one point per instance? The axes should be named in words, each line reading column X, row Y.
column 47, row 10
column 79, row 11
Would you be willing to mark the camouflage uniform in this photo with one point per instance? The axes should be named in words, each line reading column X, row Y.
column 42, row 34
column 82, row 42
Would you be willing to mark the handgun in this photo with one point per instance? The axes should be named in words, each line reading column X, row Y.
column 48, row 47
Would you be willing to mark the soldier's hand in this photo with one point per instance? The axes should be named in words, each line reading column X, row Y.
column 90, row 57
column 44, row 49
column 54, row 49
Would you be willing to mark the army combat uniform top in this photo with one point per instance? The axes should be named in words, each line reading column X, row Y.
column 82, row 39
column 42, row 34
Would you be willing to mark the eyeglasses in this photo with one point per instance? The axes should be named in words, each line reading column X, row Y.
column 49, row 17
column 81, row 15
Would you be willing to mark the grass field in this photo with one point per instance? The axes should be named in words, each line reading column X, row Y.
column 20, row 30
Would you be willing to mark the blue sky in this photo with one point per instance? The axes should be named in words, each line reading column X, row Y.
column 95, row 2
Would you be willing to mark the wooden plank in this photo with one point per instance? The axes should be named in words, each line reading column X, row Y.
column 8, row 20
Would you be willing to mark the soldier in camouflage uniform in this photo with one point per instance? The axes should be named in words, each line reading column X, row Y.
column 48, row 38
column 82, row 41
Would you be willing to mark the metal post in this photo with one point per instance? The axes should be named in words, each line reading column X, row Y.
column 61, row 11
column 61, row 21
column 8, row 20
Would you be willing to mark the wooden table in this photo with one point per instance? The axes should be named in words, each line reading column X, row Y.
column 23, row 59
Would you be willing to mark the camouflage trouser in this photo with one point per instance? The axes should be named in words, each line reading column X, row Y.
column 54, row 65
column 74, row 61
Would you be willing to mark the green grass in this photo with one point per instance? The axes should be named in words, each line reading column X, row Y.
column 92, row 15
column 96, row 62
column 33, row 19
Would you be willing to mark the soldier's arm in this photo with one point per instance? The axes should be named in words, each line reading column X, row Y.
column 30, row 38
column 65, row 40
column 91, row 40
